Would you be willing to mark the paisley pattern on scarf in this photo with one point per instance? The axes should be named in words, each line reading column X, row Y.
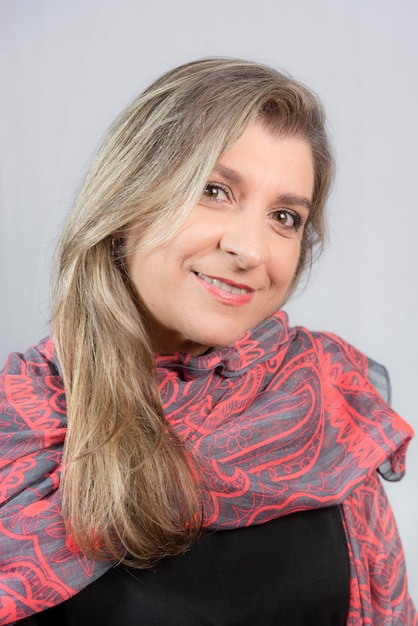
column 281, row 421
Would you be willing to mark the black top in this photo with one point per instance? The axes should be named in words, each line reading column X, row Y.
column 290, row 571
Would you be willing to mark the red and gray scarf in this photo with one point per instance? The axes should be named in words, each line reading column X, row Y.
column 281, row 421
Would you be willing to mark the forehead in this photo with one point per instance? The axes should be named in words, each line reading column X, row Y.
column 262, row 156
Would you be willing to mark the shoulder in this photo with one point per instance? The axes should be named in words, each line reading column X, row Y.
column 337, row 356
column 38, row 360
column 31, row 390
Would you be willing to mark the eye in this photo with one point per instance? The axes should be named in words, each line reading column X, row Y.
column 215, row 192
column 288, row 219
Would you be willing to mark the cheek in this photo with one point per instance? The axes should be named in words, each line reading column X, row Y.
column 142, row 273
column 283, row 264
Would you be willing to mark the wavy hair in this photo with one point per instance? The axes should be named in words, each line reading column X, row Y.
column 130, row 489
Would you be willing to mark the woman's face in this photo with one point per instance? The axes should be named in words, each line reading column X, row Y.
column 232, row 262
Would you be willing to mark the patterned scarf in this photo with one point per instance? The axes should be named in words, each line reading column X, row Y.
column 281, row 421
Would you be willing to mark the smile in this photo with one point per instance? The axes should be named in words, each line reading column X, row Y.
column 222, row 285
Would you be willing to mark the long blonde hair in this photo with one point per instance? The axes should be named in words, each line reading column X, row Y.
column 130, row 490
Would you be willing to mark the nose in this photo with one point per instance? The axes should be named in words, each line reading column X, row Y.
column 245, row 240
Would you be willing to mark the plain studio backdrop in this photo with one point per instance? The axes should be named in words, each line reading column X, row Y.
column 69, row 66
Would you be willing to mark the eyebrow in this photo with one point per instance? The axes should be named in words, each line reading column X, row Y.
column 229, row 174
column 294, row 200
column 291, row 199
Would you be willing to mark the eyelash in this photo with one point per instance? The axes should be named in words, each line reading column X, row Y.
column 217, row 187
column 296, row 217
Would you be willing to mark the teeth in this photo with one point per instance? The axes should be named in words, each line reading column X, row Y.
column 221, row 285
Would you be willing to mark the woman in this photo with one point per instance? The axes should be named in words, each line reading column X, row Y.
column 219, row 466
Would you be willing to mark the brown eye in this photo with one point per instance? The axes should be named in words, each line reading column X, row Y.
column 288, row 219
column 211, row 191
column 285, row 218
column 215, row 192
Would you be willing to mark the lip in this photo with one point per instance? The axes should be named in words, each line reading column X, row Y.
column 237, row 294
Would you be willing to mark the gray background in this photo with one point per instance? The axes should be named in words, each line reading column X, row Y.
column 68, row 67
